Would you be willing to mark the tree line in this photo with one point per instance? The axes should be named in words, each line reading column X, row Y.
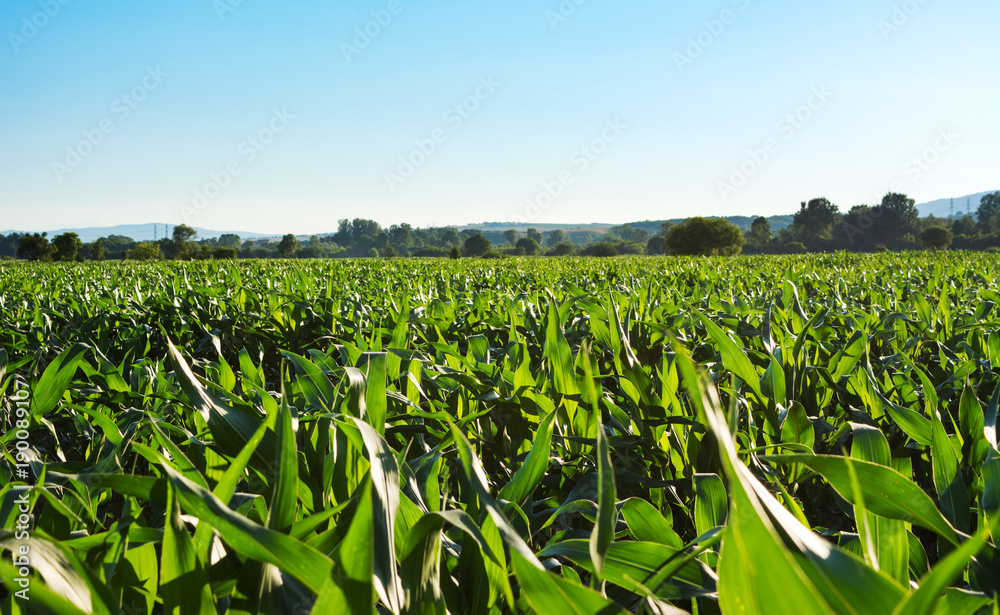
column 818, row 226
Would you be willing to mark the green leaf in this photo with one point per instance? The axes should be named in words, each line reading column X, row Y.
column 548, row 593
column 284, row 498
column 420, row 567
column 183, row 582
column 648, row 525
column 662, row 570
column 55, row 380
column 733, row 357
column 527, row 478
column 710, row 502
column 887, row 492
column 607, row 515
column 933, row 585
column 349, row 589
column 952, row 492
column 251, row 540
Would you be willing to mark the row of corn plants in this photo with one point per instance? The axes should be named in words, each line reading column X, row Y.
column 811, row 434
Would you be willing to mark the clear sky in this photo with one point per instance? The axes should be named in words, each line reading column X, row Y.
column 281, row 117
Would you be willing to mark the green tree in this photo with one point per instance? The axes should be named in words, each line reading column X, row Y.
column 706, row 237
column 665, row 228
column 220, row 253
column 67, row 246
column 35, row 247
column 476, row 245
column 287, row 246
column 229, row 240
column 936, row 238
column 759, row 235
column 555, row 238
column 180, row 245
column 454, row 254
column 510, row 235
column 145, row 251
column 530, row 246
column 897, row 216
column 401, row 238
column 814, row 221
column 97, row 250
column 532, row 233
column 966, row 225
column 989, row 206
column 563, row 249
column 629, row 233
column 656, row 245
column 602, row 248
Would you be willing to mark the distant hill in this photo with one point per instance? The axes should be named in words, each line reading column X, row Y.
column 941, row 208
column 651, row 226
column 141, row 232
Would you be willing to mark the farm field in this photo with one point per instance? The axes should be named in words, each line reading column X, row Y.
column 759, row 435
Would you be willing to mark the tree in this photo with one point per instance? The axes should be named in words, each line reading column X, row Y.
column 555, row 238
column 706, row 237
column 966, row 225
column 476, row 245
column 533, row 233
column 629, row 233
column 454, row 254
column 510, row 235
column 656, row 245
column 97, row 250
column 563, row 249
column 814, row 221
column 530, row 246
column 897, row 217
column 665, row 228
column 759, row 235
column 179, row 246
column 401, row 237
column 288, row 245
column 989, row 206
column 35, row 247
column 229, row 240
column 145, row 251
column 936, row 238
column 603, row 248
column 67, row 246
column 221, row 253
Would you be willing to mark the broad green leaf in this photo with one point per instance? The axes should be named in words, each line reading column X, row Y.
column 887, row 492
column 56, row 379
column 549, row 593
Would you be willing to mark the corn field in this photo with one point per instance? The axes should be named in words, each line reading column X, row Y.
column 760, row 435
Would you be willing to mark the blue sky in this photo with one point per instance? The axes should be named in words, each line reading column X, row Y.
column 285, row 117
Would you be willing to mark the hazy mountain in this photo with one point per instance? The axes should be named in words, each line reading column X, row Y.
column 142, row 232
column 941, row 208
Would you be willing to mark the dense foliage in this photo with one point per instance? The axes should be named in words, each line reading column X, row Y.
column 811, row 434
